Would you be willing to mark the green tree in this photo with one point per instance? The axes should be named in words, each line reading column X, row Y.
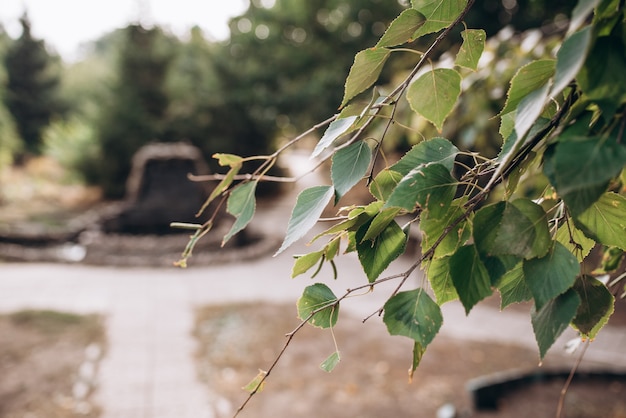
column 31, row 87
column 562, row 123
column 135, row 112
column 201, row 109
column 9, row 139
column 285, row 65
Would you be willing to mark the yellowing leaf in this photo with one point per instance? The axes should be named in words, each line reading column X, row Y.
column 257, row 384
column 230, row 160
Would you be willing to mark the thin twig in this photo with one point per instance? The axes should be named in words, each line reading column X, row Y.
column 568, row 382
column 239, row 177
column 303, row 322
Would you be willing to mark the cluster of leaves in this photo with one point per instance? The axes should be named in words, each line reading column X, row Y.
column 563, row 120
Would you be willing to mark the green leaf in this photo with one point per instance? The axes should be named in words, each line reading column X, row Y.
column 319, row 297
column 309, row 206
column 542, row 240
column 376, row 255
column 364, row 72
column 337, row 128
column 438, row 273
column 305, row 262
column 485, row 229
column 596, row 307
column 570, row 59
column 519, row 228
column 349, row 165
column 220, row 188
column 241, row 204
column 575, row 241
column 552, row 275
column 435, row 150
column 580, row 13
column 507, row 126
column 356, row 218
column 431, row 186
column 605, row 220
column 401, row 30
column 433, row 227
column 529, row 109
column 579, row 180
column 332, row 249
column 471, row 49
column 257, row 384
column 434, row 94
column 384, row 184
column 553, row 318
column 513, row 288
column 413, row 314
column 331, row 362
column 439, row 14
column 470, row 276
column 602, row 77
column 233, row 161
column 380, row 223
column 349, row 224
column 498, row 266
column 529, row 78
column 604, row 158
column 515, row 234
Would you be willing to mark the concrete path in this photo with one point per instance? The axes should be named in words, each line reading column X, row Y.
column 148, row 370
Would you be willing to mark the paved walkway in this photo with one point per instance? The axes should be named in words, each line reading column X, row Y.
column 148, row 370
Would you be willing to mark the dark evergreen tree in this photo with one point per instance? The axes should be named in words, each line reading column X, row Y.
column 9, row 140
column 31, row 87
column 136, row 110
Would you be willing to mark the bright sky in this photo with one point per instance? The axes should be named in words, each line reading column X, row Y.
column 65, row 24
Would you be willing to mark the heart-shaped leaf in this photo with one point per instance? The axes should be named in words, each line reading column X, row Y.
column 434, row 94
column 320, row 302
column 413, row 314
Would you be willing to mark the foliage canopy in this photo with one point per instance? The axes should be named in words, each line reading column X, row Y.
column 522, row 222
column 562, row 125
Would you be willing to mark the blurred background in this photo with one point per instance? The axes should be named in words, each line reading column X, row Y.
column 84, row 85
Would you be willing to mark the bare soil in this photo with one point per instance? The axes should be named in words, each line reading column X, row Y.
column 371, row 379
column 48, row 364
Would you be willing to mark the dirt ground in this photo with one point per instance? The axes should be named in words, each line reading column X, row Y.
column 371, row 380
column 48, row 364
